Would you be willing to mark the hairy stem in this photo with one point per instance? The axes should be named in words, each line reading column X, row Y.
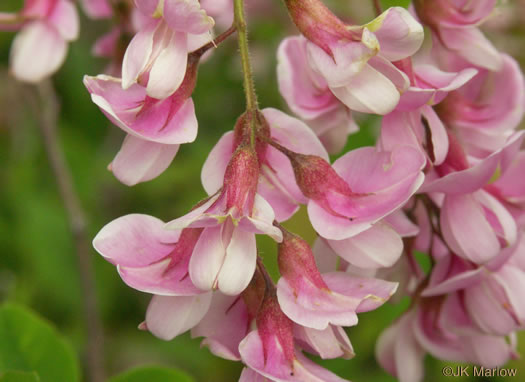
column 215, row 42
column 377, row 7
column 49, row 110
column 240, row 23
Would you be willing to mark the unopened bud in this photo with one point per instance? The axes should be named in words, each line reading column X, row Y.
column 240, row 180
column 296, row 261
column 318, row 24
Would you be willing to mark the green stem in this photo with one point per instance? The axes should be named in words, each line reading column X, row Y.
column 240, row 23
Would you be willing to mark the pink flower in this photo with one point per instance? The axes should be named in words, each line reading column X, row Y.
column 40, row 48
column 356, row 61
column 157, row 56
column 276, row 180
column 359, row 189
column 230, row 220
column 455, row 26
column 148, row 257
column 220, row 10
column 155, row 128
column 491, row 294
column 442, row 328
column 314, row 300
column 270, row 351
column 474, row 224
column 308, row 95
column 485, row 111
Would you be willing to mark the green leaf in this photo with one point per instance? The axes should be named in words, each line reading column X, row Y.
column 19, row 376
column 152, row 374
column 30, row 344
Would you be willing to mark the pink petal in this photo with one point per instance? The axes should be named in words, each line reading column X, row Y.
column 372, row 292
column 169, row 316
column 239, row 264
column 316, row 308
column 169, row 67
column 139, row 160
column 159, row 279
column 138, row 54
column 471, row 44
column 207, row 258
column 148, row 7
column 64, row 18
column 97, row 9
column 261, row 221
column 377, row 247
column 212, row 175
column 466, row 229
column 224, row 326
column 305, row 91
column 369, row 91
column 329, row 343
column 388, row 180
column 278, row 368
column 398, row 33
column 135, row 240
column 187, row 16
column 37, row 52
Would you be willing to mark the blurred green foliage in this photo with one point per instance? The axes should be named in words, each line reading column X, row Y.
column 38, row 266
column 30, row 345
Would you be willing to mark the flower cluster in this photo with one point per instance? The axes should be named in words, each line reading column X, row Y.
column 443, row 179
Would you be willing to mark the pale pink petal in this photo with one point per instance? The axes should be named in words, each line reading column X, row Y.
column 485, row 303
column 64, row 18
column 398, row 33
column 192, row 216
column 169, row 67
column 371, row 291
column 369, row 91
column 261, row 221
column 402, row 224
column 138, row 54
column 37, row 52
column 139, row 160
column 466, row 229
column 293, row 134
column 471, row 44
column 187, row 16
column 329, row 343
column 159, row 279
column 377, row 247
column 239, row 264
column 148, row 7
column 169, row 316
column 135, row 240
column 501, row 220
column 212, row 175
column 207, row 258
column 224, row 326
column 306, row 92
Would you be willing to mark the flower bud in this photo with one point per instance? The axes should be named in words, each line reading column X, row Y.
column 272, row 324
column 240, row 180
column 318, row 24
column 318, row 181
column 296, row 261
